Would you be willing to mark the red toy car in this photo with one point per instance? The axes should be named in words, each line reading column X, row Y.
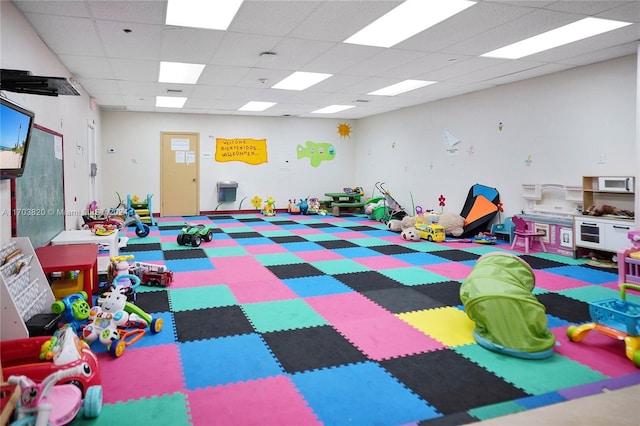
column 38, row 357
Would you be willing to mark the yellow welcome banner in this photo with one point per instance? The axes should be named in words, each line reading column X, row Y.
column 250, row 151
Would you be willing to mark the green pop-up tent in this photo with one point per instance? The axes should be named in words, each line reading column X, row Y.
column 497, row 296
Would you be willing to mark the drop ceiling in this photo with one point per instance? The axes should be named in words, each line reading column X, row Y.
column 113, row 50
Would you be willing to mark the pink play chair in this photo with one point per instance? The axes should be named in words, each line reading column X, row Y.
column 529, row 236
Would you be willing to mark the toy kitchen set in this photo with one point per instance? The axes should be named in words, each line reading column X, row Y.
column 578, row 220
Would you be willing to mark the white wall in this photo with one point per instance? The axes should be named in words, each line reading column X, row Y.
column 567, row 122
column 135, row 166
column 68, row 115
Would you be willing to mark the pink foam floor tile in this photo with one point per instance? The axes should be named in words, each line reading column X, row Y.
column 387, row 337
column 451, row 270
column 196, row 279
column 318, row 255
column 350, row 235
column 231, row 225
column 169, row 219
column 304, row 231
column 555, row 282
column 597, row 351
column 269, row 401
column 238, row 273
column 266, row 227
column 229, row 242
column 395, row 239
column 261, row 291
column 377, row 263
column 131, row 233
column 346, row 307
column 158, row 377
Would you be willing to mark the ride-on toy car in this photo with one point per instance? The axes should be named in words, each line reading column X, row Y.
column 194, row 235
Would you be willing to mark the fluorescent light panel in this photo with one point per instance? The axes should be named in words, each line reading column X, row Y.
column 402, row 87
column 256, row 106
column 300, row 80
column 331, row 109
column 578, row 30
column 209, row 14
column 407, row 20
column 170, row 101
column 178, row 72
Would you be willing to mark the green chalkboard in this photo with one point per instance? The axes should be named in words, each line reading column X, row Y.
column 39, row 212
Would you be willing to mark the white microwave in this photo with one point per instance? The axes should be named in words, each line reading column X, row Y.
column 615, row 184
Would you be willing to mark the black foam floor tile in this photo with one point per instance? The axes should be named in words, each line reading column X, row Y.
column 455, row 255
column 565, row 308
column 142, row 247
column 311, row 348
column 170, row 227
column 220, row 217
column 194, row 253
column 393, row 249
column 201, row 324
column 238, row 235
column 538, row 263
column 251, row 219
column 320, row 225
column 153, row 301
column 405, row 299
column 449, row 382
column 336, row 244
column 283, row 222
column 363, row 228
column 447, row 292
column 367, row 280
column 462, row 418
column 288, row 239
column 298, row 270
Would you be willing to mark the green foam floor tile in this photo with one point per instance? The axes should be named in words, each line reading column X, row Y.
column 145, row 240
column 166, row 410
column 535, row 377
column 320, row 237
column 276, row 233
column 340, row 266
column 496, row 410
column 413, row 275
column 592, row 293
column 370, row 242
column 282, row 315
column 278, row 259
column 185, row 299
column 212, row 252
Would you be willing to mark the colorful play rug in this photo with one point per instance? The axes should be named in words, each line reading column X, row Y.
column 310, row 320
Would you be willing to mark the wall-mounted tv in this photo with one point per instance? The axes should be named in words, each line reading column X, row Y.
column 16, row 123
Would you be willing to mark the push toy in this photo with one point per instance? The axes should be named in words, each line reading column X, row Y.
column 50, row 403
column 194, row 235
column 616, row 318
column 108, row 321
column 74, row 309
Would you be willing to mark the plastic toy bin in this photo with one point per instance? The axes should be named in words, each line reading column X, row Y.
column 618, row 314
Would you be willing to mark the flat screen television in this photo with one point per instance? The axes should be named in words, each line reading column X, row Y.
column 16, row 124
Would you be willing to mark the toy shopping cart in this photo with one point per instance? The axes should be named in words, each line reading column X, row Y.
column 616, row 318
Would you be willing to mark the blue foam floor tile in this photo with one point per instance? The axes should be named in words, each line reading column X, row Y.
column 361, row 394
column 590, row 275
column 188, row 265
column 356, row 252
column 321, row 285
column 420, row 259
column 206, row 362
column 148, row 256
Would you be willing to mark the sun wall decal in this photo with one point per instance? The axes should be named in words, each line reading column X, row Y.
column 344, row 130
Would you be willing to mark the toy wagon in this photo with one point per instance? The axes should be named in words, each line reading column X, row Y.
column 616, row 318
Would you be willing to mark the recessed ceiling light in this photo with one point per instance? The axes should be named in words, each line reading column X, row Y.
column 407, row 20
column 402, row 87
column 170, row 101
column 178, row 72
column 578, row 30
column 332, row 109
column 256, row 106
column 300, row 80
column 214, row 15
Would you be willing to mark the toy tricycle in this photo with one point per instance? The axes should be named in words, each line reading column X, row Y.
column 194, row 234
column 614, row 318
column 49, row 403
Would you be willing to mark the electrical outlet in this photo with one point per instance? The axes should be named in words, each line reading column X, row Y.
column 602, row 158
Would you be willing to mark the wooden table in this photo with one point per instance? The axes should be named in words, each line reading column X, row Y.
column 342, row 199
column 73, row 257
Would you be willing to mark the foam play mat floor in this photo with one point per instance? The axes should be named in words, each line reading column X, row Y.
column 322, row 320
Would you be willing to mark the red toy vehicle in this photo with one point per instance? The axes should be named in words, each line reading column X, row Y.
column 151, row 274
column 39, row 357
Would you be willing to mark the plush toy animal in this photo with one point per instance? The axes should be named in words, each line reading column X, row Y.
column 394, row 225
column 603, row 209
column 410, row 234
column 408, row 222
column 453, row 223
